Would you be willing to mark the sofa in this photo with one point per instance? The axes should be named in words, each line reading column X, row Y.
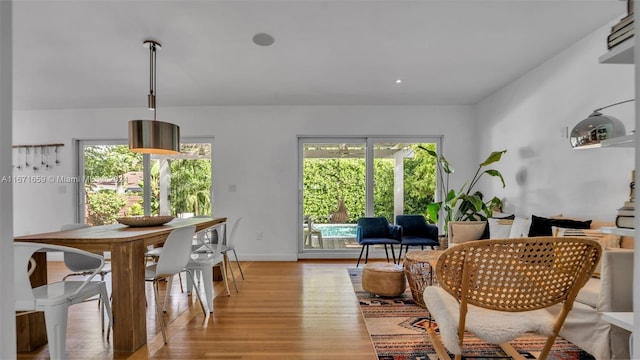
column 611, row 288
column 613, row 291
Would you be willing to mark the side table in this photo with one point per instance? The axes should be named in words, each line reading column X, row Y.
column 419, row 267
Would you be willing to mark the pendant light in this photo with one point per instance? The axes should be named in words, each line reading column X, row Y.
column 152, row 136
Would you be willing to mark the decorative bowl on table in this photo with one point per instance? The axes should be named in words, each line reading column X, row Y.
column 140, row 221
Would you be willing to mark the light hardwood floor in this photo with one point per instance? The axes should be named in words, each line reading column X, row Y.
column 284, row 310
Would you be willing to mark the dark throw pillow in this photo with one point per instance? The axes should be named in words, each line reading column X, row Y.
column 541, row 226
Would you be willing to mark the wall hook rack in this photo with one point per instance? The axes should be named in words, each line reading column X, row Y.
column 35, row 157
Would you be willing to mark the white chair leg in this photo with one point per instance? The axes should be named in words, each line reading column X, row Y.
column 106, row 307
column 197, row 274
column 224, row 276
column 233, row 276
column 100, row 306
column 180, row 279
column 197, row 291
column 55, row 318
column 166, row 294
column 207, row 280
column 190, row 283
column 159, row 310
column 238, row 261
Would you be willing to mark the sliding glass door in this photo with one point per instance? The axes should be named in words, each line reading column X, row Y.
column 333, row 178
column 404, row 178
column 343, row 179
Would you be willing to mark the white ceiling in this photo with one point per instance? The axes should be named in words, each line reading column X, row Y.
column 86, row 54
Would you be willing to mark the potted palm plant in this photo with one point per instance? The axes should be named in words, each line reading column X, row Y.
column 463, row 204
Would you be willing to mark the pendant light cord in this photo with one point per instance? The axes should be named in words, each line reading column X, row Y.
column 618, row 103
column 152, row 76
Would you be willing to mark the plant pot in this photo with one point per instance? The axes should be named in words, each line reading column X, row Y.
column 444, row 242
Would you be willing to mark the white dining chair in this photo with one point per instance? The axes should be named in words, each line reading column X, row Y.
column 211, row 236
column 173, row 260
column 81, row 265
column 207, row 236
column 203, row 259
column 229, row 245
column 55, row 298
column 153, row 254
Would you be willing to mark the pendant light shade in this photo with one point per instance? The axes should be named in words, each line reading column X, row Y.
column 590, row 132
column 152, row 136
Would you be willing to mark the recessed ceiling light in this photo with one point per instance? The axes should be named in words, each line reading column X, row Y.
column 263, row 39
column 399, row 81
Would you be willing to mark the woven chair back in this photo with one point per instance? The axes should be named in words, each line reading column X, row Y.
column 519, row 274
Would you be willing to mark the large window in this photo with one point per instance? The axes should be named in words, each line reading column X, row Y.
column 343, row 179
column 114, row 182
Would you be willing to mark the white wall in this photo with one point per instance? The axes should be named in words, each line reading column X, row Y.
column 255, row 148
column 544, row 175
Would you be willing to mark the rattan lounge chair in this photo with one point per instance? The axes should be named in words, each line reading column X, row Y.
column 498, row 290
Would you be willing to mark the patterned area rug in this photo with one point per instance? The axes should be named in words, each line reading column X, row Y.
column 397, row 327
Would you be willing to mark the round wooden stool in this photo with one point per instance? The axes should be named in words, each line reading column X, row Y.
column 383, row 279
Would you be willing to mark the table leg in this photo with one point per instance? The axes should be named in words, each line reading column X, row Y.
column 128, row 296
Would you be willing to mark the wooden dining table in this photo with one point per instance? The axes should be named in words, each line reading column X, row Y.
column 127, row 246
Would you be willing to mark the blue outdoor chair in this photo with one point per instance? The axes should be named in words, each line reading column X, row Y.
column 416, row 232
column 377, row 231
